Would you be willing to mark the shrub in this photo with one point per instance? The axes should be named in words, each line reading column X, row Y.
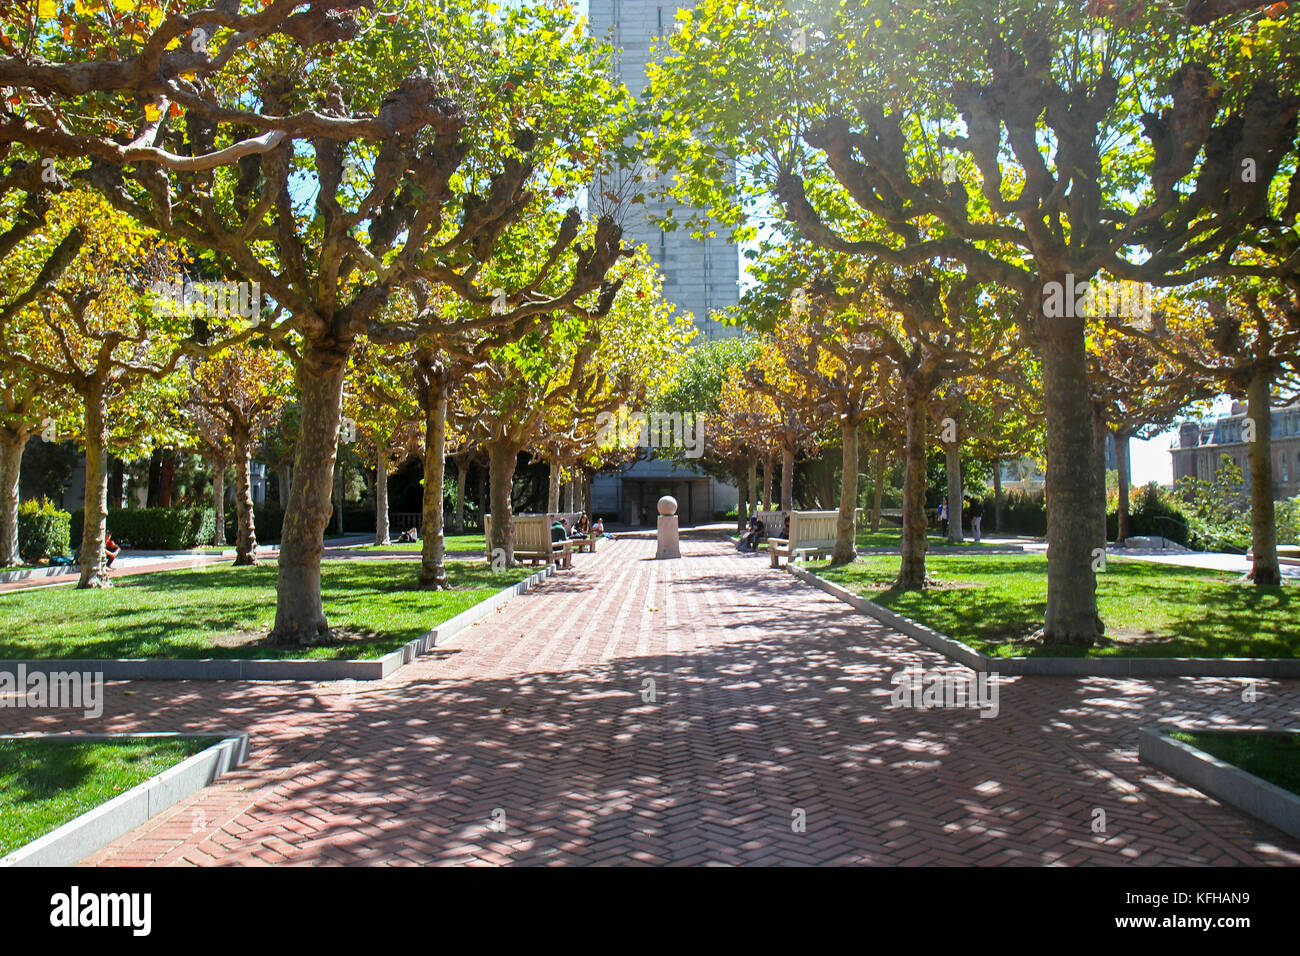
column 43, row 530
column 156, row 529
column 1021, row 514
column 1288, row 521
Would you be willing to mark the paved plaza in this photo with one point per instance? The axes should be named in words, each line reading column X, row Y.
column 707, row 710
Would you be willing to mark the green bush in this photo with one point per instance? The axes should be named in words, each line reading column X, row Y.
column 43, row 531
column 1288, row 521
column 156, row 529
column 1024, row 514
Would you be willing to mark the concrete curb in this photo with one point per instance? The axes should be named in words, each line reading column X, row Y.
column 98, row 827
column 299, row 670
column 1267, row 667
column 1221, row 780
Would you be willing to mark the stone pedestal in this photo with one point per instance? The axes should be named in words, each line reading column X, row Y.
column 669, row 546
column 669, row 541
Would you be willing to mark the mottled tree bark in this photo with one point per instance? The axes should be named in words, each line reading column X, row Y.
column 768, row 465
column 846, row 544
column 911, row 571
column 433, row 545
column 743, row 491
column 93, row 574
column 787, row 478
column 283, row 472
column 462, row 473
column 553, row 489
column 878, row 496
column 1122, row 437
column 300, row 614
column 952, row 451
column 246, row 533
column 219, row 502
column 1263, row 526
column 381, row 497
column 502, row 458
column 1072, row 494
column 999, row 499
column 12, row 443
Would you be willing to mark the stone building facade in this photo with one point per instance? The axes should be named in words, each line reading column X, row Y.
column 1202, row 445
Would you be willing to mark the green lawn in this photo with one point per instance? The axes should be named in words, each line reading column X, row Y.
column 452, row 542
column 894, row 538
column 994, row 603
column 1272, row 757
column 178, row 614
column 46, row 783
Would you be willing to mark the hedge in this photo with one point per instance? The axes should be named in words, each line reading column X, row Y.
column 156, row 529
column 43, row 531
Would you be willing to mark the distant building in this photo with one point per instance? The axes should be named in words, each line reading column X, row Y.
column 1202, row 446
column 700, row 275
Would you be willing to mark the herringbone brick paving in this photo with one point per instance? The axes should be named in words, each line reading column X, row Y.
column 534, row 738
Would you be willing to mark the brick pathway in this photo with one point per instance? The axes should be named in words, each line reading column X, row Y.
column 527, row 740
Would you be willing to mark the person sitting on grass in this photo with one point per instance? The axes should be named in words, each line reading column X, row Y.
column 409, row 536
column 110, row 549
column 598, row 529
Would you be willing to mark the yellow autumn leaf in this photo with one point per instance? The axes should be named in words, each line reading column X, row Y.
column 152, row 112
column 47, row 8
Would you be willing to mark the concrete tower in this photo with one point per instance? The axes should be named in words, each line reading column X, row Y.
column 699, row 275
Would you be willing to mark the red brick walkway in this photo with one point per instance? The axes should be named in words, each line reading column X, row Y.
column 527, row 740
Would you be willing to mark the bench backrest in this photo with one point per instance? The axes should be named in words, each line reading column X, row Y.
column 532, row 532
column 807, row 528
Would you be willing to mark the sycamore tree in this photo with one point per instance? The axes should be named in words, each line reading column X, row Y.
column 696, row 388
column 95, row 333
column 1241, row 337
column 1138, row 391
column 380, row 405
column 234, row 397
column 1032, row 145
column 330, row 153
column 580, row 366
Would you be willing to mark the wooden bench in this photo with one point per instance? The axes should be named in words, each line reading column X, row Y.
column 812, row 534
column 532, row 541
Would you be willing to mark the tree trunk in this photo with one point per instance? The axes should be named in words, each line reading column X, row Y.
column 1122, row 463
column 1072, row 493
column 381, row 498
column 116, row 481
column 767, row 482
column 219, row 502
column 12, row 443
column 878, row 496
column 553, row 489
column 433, row 544
column 787, row 479
column 1100, row 430
column 743, row 490
column 999, row 499
column 93, row 573
column 282, row 471
column 246, row 535
column 300, row 613
column 165, row 481
column 953, row 452
column 751, row 499
column 911, row 571
column 338, row 497
column 1263, row 527
column 501, row 477
column 462, row 473
column 846, row 543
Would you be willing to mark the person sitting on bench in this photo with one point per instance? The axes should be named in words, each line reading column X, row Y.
column 579, row 527
column 754, row 532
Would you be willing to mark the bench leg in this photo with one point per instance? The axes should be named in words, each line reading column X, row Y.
column 775, row 557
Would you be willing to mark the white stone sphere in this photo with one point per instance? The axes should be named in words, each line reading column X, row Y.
column 668, row 505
